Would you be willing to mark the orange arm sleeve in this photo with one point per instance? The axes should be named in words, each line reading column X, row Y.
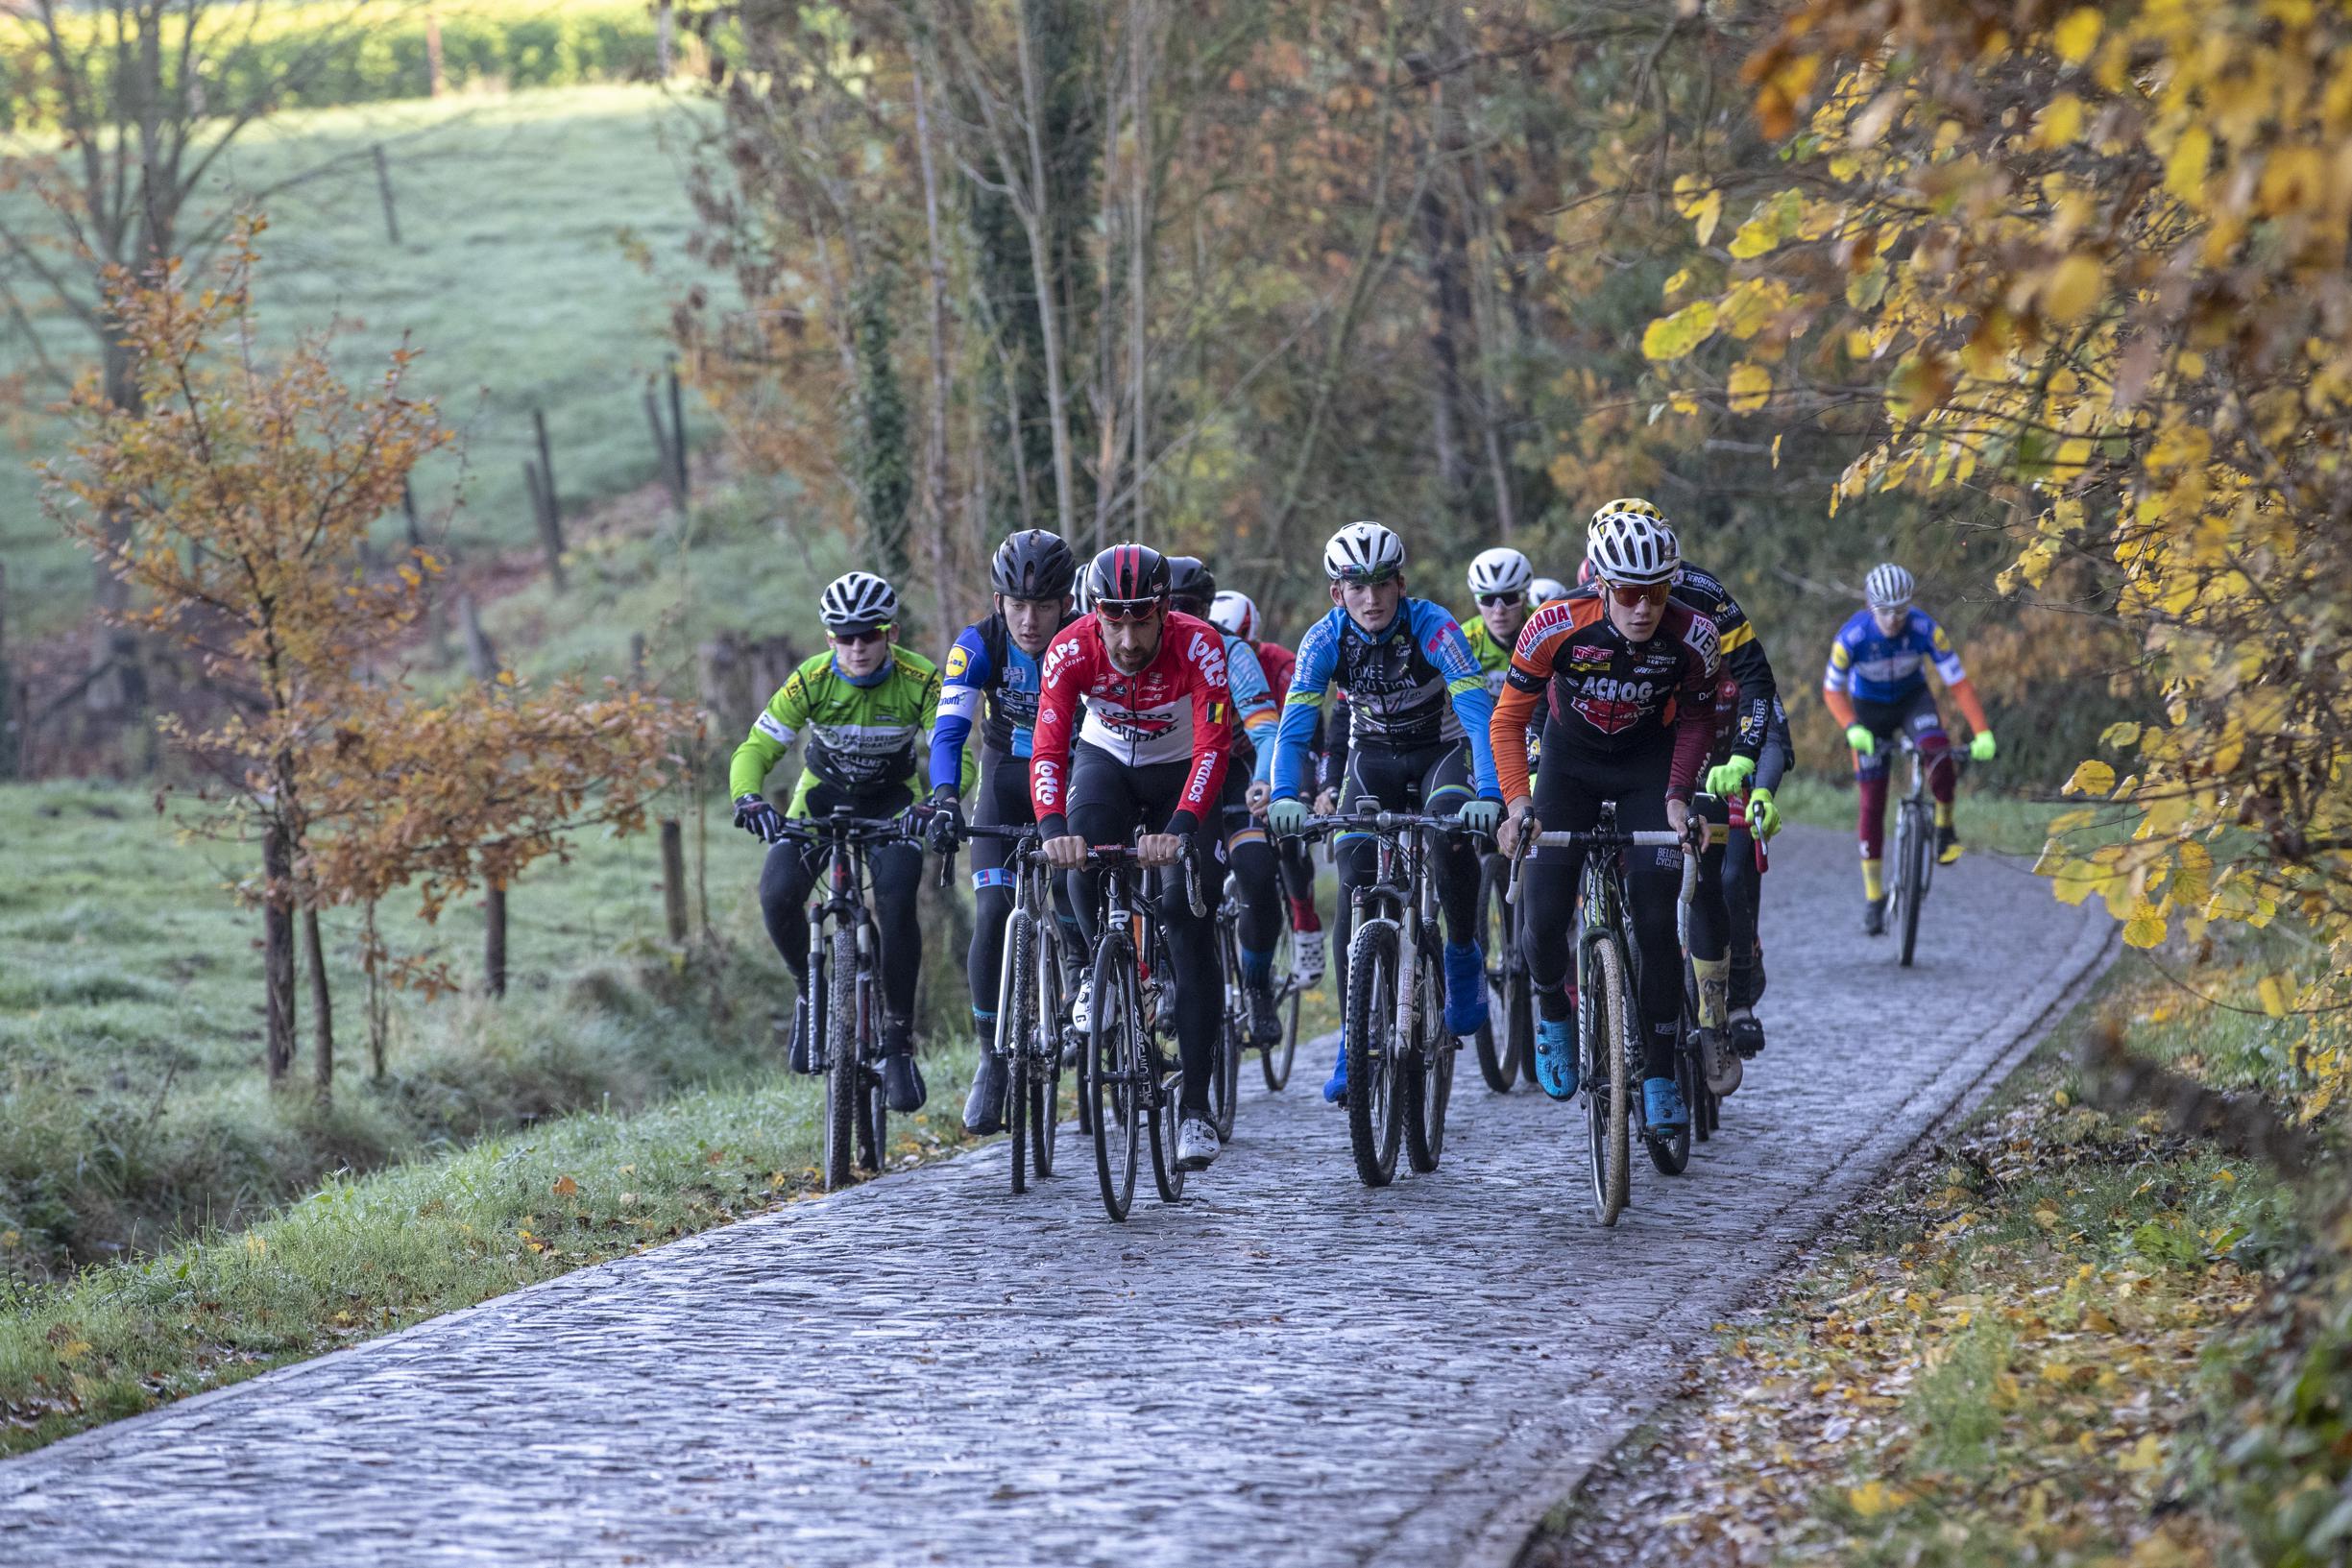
column 1964, row 692
column 1507, row 735
column 1841, row 706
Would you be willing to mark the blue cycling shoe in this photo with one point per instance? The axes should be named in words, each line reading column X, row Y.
column 1556, row 1056
column 1335, row 1087
column 1466, row 989
column 1661, row 1103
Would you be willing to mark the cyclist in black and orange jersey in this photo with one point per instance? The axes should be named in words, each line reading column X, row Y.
column 1630, row 676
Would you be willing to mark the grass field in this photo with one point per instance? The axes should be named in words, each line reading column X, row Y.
column 512, row 276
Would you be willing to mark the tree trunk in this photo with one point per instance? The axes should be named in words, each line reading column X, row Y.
column 1444, row 251
column 278, row 951
column 951, row 602
column 494, row 940
column 379, row 1005
column 321, row 1007
column 673, row 879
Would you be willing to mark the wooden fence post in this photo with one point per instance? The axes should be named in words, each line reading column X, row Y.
column 494, row 940
column 481, row 658
column 677, row 437
column 551, row 528
column 383, row 191
column 673, row 879
column 277, row 952
column 12, row 717
column 665, row 459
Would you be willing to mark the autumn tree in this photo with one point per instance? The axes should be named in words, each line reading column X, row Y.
column 235, row 505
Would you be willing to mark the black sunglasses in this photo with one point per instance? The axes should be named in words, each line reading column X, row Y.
column 1502, row 598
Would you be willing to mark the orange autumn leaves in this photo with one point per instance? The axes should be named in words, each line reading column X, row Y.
column 235, row 505
column 2090, row 262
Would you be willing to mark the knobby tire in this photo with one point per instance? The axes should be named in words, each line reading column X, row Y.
column 1375, row 1106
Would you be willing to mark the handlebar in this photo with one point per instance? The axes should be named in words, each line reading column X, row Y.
column 1382, row 822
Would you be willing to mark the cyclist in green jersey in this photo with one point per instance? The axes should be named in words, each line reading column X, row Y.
column 1498, row 581
column 867, row 707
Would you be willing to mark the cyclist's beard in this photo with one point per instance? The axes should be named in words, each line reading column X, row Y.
column 1129, row 658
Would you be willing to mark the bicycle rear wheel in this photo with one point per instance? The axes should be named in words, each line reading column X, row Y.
column 1376, row 1057
column 1498, row 1059
column 1166, row 1077
column 836, row 989
column 1234, row 1029
column 1114, row 1073
column 1016, row 1016
column 1274, row 1061
column 1670, row 1153
column 1912, row 852
column 1430, row 1071
column 1610, row 1043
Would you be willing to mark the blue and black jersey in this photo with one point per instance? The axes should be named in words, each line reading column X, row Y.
column 985, row 668
column 1872, row 666
column 1414, row 684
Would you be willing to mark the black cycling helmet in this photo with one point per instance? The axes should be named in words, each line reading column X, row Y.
column 1032, row 565
column 1190, row 580
column 1127, row 574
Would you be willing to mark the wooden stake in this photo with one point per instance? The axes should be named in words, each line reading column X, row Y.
column 322, row 1009
column 550, row 528
column 383, row 189
column 494, row 940
column 673, row 879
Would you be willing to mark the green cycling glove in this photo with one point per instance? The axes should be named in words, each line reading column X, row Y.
column 1726, row 780
column 1763, row 813
column 1286, row 817
column 1859, row 737
column 1480, row 816
column 1980, row 749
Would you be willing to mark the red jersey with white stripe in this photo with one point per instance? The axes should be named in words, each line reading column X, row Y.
column 1278, row 662
column 1177, row 708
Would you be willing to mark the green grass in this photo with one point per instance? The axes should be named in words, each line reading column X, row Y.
column 133, row 1102
column 365, row 1256
column 512, row 278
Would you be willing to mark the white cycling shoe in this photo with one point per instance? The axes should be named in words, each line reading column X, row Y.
column 1081, row 1007
column 1197, row 1144
column 1307, row 959
column 1720, row 1063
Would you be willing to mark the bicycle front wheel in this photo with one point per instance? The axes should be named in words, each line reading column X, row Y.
column 1015, row 1018
column 1115, row 1073
column 1430, row 1070
column 1234, row 1029
column 1916, row 847
column 1610, row 1042
column 836, row 991
column 1043, row 1044
column 1376, row 1057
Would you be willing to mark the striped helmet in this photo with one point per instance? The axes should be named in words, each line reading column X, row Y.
column 1631, row 547
column 857, row 601
column 1888, row 586
column 1235, row 614
column 1128, row 573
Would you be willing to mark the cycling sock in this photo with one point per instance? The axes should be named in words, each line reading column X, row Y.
column 1873, row 884
column 1714, row 977
column 1943, row 813
column 983, row 1025
column 1555, row 1006
column 1258, row 968
column 1303, row 917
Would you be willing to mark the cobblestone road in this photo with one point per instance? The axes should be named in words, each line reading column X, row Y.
column 1286, row 1369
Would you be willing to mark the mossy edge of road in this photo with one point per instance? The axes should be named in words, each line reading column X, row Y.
column 2019, row 1348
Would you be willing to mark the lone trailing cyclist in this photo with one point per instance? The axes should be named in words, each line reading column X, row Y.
column 1876, row 686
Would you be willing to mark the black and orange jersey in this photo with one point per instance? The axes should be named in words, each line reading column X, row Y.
column 1609, row 694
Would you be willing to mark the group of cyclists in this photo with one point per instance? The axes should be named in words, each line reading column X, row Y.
column 1132, row 701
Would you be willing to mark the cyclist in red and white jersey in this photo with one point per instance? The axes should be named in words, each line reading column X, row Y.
column 1133, row 731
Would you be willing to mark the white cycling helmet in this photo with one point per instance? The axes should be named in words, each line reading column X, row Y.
column 1364, row 552
column 1630, row 542
column 1236, row 615
column 857, row 601
column 1888, row 586
column 1545, row 590
column 1499, row 570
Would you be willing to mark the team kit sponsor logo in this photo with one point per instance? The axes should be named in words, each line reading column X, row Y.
column 1613, row 705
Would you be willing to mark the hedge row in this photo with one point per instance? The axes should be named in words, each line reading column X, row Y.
column 321, row 61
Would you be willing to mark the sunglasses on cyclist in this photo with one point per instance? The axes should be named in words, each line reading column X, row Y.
column 1125, row 609
column 1502, row 598
column 853, row 639
column 1634, row 595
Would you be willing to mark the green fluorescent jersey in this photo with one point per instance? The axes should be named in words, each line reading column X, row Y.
column 861, row 737
column 1494, row 656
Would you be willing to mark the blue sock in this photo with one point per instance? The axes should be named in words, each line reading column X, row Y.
column 1258, row 968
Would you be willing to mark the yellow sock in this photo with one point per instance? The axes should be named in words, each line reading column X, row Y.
column 1713, row 976
column 1943, row 813
column 1873, row 885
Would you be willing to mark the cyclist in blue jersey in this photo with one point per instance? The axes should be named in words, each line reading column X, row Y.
column 1192, row 589
column 1418, row 711
column 993, row 666
column 1877, row 687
